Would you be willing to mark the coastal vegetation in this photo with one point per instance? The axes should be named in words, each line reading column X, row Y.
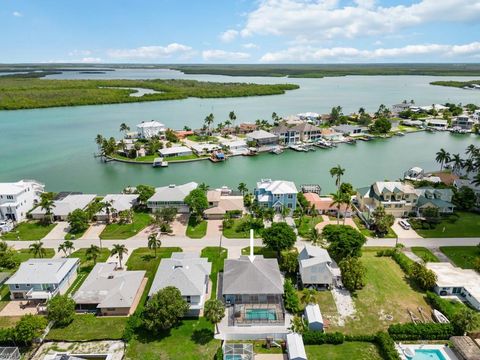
column 30, row 93
column 457, row 84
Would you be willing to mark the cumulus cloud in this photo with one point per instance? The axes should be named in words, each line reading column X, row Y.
column 326, row 19
column 351, row 54
column 17, row 14
column 250, row 46
column 150, row 52
column 80, row 53
column 222, row 55
column 90, row 60
column 229, row 35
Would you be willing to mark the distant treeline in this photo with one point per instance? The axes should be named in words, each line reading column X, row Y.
column 29, row 93
column 458, row 84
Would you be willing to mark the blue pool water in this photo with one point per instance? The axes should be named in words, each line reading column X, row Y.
column 428, row 354
column 233, row 357
column 260, row 314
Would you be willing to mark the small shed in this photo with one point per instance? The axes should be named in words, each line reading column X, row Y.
column 295, row 347
column 314, row 318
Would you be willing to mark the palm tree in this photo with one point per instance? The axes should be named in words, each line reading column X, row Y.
column 209, row 121
column 69, row 246
column 457, row 163
column 308, row 296
column 124, row 128
column 119, row 250
column 242, row 187
column 338, row 200
column 108, row 207
column 347, row 201
column 442, row 158
column 472, row 150
column 469, row 165
column 99, row 141
column 314, row 236
column 337, row 172
column 92, row 253
column 204, row 187
column 214, row 311
column 154, row 242
column 285, row 212
column 37, row 249
column 232, row 118
column 476, row 180
column 47, row 204
column 61, row 247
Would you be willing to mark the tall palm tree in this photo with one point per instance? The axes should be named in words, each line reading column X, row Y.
column 308, row 296
column 154, row 242
column 99, row 141
column 69, row 246
column 37, row 249
column 232, row 118
column 108, row 207
column 472, row 150
column 337, row 172
column 242, row 187
column 476, row 179
column 61, row 247
column 119, row 250
column 469, row 165
column 442, row 158
column 214, row 311
column 47, row 204
column 204, row 187
column 209, row 121
column 92, row 253
column 457, row 162
column 314, row 236
column 338, row 200
column 124, row 128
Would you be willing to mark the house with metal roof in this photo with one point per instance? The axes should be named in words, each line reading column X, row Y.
column 171, row 196
column 316, row 268
column 63, row 207
column 262, row 138
column 276, row 194
column 347, row 129
column 204, row 148
column 295, row 347
column 253, row 291
column 108, row 291
column 313, row 317
column 119, row 202
column 41, row 279
column 175, row 151
column 189, row 274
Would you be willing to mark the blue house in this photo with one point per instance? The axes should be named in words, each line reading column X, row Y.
column 42, row 279
column 276, row 194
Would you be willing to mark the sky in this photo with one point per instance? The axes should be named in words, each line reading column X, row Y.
column 239, row 31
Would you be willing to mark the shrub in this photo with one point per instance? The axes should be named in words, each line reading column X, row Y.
column 319, row 338
column 290, row 297
column 61, row 310
column 361, row 338
column 219, row 354
column 386, row 346
column 427, row 331
column 446, row 307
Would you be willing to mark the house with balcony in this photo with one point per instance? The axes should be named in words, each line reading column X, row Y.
column 149, row 129
column 316, row 268
column 171, row 196
column 463, row 122
column 276, row 194
column 292, row 133
column 253, row 291
column 41, row 279
column 18, row 198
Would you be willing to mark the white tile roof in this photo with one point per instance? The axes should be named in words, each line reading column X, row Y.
column 173, row 192
column 153, row 123
column 68, row 204
column 452, row 276
column 260, row 134
column 43, row 271
column 174, row 150
column 13, row 188
column 277, row 186
column 120, row 202
column 296, row 349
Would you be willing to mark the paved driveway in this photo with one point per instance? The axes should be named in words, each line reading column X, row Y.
column 93, row 232
column 214, row 229
column 404, row 234
column 179, row 225
column 58, row 232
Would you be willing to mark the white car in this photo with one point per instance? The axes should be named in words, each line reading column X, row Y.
column 405, row 224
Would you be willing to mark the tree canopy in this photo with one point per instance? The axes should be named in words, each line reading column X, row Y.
column 61, row 310
column 344, row 241
column 280, row 236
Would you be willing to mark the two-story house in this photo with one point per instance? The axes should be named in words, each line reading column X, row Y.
column 316, row 268
column 464, row 122
column 17, row 198
column 289, row 134
column 276, row 194
column 171, row 196
column 149, row 129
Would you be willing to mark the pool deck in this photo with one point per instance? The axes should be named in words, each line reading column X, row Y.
column 444, row 350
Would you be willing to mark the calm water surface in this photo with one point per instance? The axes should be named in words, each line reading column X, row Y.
column 56, row 145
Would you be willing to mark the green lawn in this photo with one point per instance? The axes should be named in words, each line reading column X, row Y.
column 424, row 254
column 260, row 250
column 191, row 340
column 25, row 254
column 387, row 292
column 30, row 230
column 347, row 350
column 233, row 233
column 196, row 230
column 151, row 158
column 325, row 301
column 8, row 321
column 369, row 233
column 74, row 236
column 200, row 138
column 217, row 256
column 124, row 231
column 306, row 223
column 462, row 256
column 85, row 266
column 88, row 327
column 460, row 224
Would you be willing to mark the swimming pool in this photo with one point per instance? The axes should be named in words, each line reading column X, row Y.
column 428, row 354
column 260, row 314
column 233, row 357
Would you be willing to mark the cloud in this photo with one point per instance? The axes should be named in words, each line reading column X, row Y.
column 250, row 46
column 80, row 53
column 17, row 14
column 351, row 54
column 90, row 60
column 150, row 52
column 326, row 19
column 229, row 35
column 222, row 55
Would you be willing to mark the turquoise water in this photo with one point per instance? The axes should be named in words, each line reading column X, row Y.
column 233, row 357
column 56, row 145
column 260, row 314
column 428, row 354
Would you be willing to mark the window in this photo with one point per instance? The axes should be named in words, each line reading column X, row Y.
column 289, row 206
column 17, row 286
column 188, row 299
column 290, row 196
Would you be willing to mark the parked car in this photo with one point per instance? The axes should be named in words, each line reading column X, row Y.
column 405, row 224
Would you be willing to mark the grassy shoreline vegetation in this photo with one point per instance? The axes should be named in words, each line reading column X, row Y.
column 457, row 84
column 30, row 93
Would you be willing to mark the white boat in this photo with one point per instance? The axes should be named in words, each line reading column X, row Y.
column 277, row 150
column 409, row 353
column 439, row 317
column 297, row 147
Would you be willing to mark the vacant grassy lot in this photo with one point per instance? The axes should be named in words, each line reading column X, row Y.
column 124, row 231
column 216, row 255
column 30, row 230
column 347, row 350
column 234, row 233
column 196, row 230
column 462, row 256
column 460, row 224
column 306, row 223
column 386, row 293
column 424, row 254
column 25, row 254
column 260, row 250
column 85, row 266
column 325, row 301
column 88, row 327
column 191, row 340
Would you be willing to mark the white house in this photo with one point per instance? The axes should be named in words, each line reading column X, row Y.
column 149, row 129
column 315, row 267
column 313, row 316
column 119, row 202
column 171, row 196
column 437, row 123
column 236, row 147
column 205, row 148
column 189, row 274
column 295, row 347
column 63, row 207
column 17, row 198
column 175, row 151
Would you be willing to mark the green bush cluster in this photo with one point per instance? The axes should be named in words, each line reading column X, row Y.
column 386, row 346
column 29, row 328
column 422, row 331
column 290, row 297
column 447, row 307
column 320, row 338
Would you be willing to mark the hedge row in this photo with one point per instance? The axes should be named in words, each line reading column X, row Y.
column 446, row 307
column 320, row 338
column 386, row 346
column 427, row 331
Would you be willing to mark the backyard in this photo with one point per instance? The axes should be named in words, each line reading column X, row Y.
column 29, row 230
column 460, row 224
column 216, row 256
column 462, row 256
column 305, row 223
column 123, row 231
column 195, row 229
column 260, row 250
column 347, row 350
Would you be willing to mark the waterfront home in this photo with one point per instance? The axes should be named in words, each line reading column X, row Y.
column 310, row 116
column 221, row 205
column 463, row 122
column 175, row 151
column 315, row 268
column 276, row 194
column 253, row 291
column 245, row 128
column 41, row 279
column 182, row 134
column 416, row 123
column 313, row 317
column 324, row 205
column 149, row 129
column 262, row 138
column 414, row 173
column 436, row 107
column 295, row 347
column 431, row 197
column 236, row 147
column 331, row 135
column 398, row 108
column 108, row 291
column 348, row 130
column 171, row 196
column 452, row 280
column 64, row 206
column 18, row 198
column 119, row 202
column 189, row 274
column 437, row 123
column 204, row 148
column 289, row 134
